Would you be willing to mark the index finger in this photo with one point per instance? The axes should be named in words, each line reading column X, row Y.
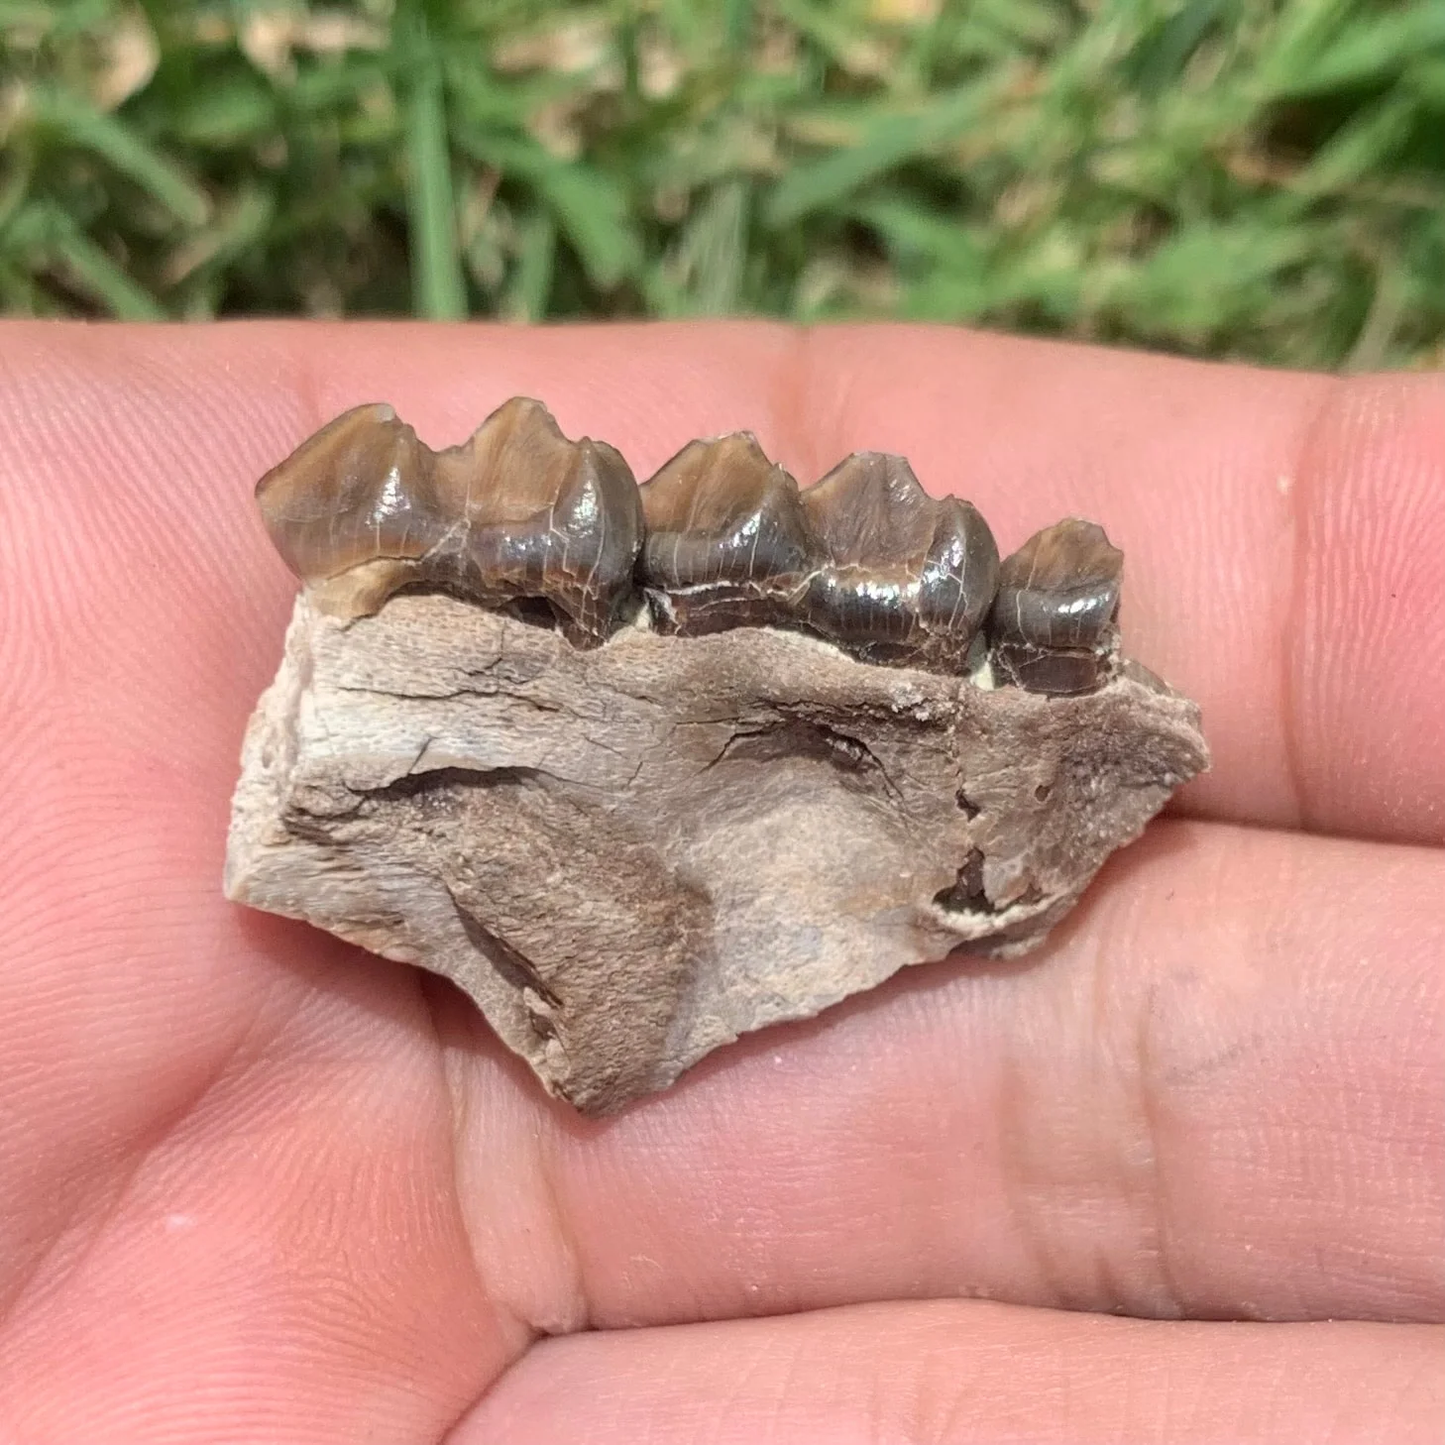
column 1284, row 534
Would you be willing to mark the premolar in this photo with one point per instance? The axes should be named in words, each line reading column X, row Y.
column 726, row 541
column 1052, row 625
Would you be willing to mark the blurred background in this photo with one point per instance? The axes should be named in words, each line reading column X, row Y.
column 1260, row 179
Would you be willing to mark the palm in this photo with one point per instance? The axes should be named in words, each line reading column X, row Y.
column 257, row 1185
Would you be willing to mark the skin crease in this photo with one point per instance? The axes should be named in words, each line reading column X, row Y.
column 258, row 1186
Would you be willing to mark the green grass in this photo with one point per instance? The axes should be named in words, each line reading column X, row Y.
column 1252, row 178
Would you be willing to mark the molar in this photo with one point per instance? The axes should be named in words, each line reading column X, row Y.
column 726, row 541
column 1052, row 625
column 909, row 577
column 516, row 514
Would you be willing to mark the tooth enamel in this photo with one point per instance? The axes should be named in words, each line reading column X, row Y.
column 517, row 512
column 1052, row 622
column 910, row 576
column 961, row 571
column 349, row 509
column 726, row 542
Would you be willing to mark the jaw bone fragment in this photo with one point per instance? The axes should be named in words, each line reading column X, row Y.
column 840, row 739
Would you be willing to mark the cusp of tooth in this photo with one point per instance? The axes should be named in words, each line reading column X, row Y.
column 909, row 577
column 726, row 541
column 516, row 513
column 1052, row 623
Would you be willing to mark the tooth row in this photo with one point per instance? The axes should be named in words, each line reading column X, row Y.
column 865, row 558
column 519, row 517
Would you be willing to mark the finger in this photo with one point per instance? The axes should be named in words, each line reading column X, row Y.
column 950, row 1373
column 276, row 1257
column 1285, row 534
column 1220, row 1092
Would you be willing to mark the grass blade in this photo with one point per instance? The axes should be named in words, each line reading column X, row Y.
column 531, row 281
column 437, row 282
column 882, row 145
column 77, row 123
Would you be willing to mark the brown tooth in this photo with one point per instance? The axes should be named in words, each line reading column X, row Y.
column 542, row 518
column 1052, row 623
column 516, row 513
column 960, row 573
column 352, row 508
column 911, row 576
column 726, row 544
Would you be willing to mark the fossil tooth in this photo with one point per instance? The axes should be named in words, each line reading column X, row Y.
column 516, row 514
column 726, row 541
column 545, row 518
column 910, row 576
column 1052, row 623
column 352, row 507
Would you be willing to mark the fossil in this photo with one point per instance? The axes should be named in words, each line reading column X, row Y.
column 645, row 768
column 516, row 514
column 909, row 578
column 865, row 558
column 727, row 543
column 1052, row 623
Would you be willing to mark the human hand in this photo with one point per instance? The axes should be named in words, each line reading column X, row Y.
column 256, row 1185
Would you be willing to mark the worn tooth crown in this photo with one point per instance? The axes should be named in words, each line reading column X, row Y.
column 870, row 509
column 726, row 541
column 538, row 516
column 1052, row 622
column 517, row 512
column 720, row 537
column 353, row 507
column 909, row 576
